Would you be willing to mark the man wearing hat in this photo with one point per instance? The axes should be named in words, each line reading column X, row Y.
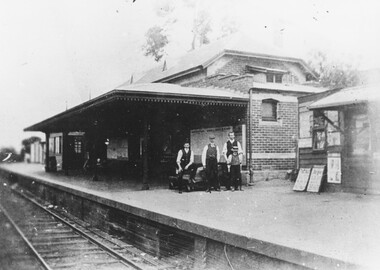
column 235, row 160
column 210, row 159
column 185, row 162
column 227, row 151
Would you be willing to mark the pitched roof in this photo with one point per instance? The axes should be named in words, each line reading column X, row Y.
column 236, row 44
column 167, row 89
column 349, row 96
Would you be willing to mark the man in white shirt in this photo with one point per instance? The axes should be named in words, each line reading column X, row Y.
column 227, row 151
column 185, row 162
column 210, row 159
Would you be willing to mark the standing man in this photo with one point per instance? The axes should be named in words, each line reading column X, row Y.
column 185, row 162
column 210, row 159
column 227, row 151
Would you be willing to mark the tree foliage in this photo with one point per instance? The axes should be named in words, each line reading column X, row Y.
column 228, row 27
column 192, row 13
column 156, row 40
column 9, row 154
column 201, row 29
column 333, row 73
column 27, row 142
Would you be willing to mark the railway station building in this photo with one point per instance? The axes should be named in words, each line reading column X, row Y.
column 232, row 84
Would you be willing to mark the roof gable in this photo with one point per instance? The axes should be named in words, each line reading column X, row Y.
column 195, row 60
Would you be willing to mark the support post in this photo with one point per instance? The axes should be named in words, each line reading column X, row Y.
column 65, row 152
column 145, row 184
column 250, row 137
column 47, row 165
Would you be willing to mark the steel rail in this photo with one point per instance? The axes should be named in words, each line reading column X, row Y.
column 90, row 238
column 30, row 246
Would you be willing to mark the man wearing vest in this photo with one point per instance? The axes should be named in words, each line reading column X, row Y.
column 185, row 159
column 227, row 151
column 210, row 159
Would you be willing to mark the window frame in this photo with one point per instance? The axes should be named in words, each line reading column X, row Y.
column 274, row 104
column 57, row 145
column 275, row 77
column 319, row 126
column 78, row 145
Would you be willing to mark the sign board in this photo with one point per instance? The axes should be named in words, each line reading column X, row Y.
column 334, row 172
column 117, row 148
column 315, row 180
column 302, row 179
column 305, row 142
column 305, row 124
column 333, row 138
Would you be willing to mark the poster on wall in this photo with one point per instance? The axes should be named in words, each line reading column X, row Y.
column 199, row 139
column 117, row 148
column 306, row 120
column 334, row 173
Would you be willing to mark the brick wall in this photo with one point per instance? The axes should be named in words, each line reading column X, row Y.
column 273, row 141
column 273, row 146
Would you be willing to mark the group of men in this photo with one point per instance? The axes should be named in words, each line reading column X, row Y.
column 232, row 153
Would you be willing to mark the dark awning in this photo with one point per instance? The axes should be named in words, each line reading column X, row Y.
column 150, row 92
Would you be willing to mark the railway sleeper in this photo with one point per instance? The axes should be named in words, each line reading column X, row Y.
column 80, row 241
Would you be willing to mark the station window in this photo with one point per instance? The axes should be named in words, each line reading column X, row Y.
column 269, row 110
column 57, row 145
column 77, row 145
column 319, row 139
column 274, row 78
column 51, row 145
column 319, row 132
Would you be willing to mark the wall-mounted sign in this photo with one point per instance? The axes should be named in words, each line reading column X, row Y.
column 315, row 180
column 334, row 172
column 306, row 123
column 302, row 179
column 117, row 148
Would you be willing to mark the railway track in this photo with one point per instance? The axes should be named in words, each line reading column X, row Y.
column 59, row 243
column 15, row 253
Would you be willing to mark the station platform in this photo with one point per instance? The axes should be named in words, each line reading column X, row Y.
column 319, row 231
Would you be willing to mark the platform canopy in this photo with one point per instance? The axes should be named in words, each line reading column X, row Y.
column 351, row 96
column 136, row 93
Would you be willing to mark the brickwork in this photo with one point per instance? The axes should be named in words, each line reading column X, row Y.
column 268, row 137
column 274, row 137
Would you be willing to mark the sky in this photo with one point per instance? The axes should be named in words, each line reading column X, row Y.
column 57, row 54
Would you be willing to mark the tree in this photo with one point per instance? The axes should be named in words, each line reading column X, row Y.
column 333, row 73
column 156, row 40
column 201, row 29
column 228, row 27
column 26, row 145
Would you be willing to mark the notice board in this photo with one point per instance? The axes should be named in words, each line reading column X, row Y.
column 315, row 180
column 334, row 173
column 302, row 179
column 117, row 148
